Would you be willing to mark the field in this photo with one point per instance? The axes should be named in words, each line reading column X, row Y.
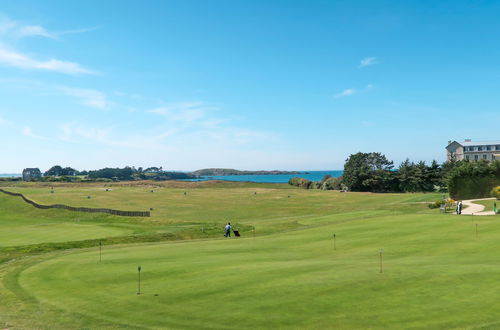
column 488, row 204
column 437, row 270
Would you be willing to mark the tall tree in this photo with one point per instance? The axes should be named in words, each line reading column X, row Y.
column 367, row 172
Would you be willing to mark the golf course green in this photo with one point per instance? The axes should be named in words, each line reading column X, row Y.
column 435, row 270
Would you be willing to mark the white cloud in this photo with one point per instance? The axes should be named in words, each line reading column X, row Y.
column 35, row 30
column 84, row 30
column 367, row 61
column 72, row 132
column 27, row 131
column 352, row 91
column 19, row 60
column 345, row 92
column 89, row 97
column 16, row 29
column 187, row 112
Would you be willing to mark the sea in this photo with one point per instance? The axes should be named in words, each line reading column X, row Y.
column 9, row 175
column 278, row 178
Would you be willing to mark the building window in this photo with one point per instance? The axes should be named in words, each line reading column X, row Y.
column 476, row 157
column 485, row 156
column 488, row 148
column 479, row 148
column 497, row 148
column 466, row 157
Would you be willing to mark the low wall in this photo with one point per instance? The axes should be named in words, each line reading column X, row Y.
column 79, row 209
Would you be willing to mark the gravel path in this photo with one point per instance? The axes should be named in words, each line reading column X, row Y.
column 475, row 209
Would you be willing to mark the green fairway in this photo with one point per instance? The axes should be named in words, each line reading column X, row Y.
column 436, row 274
column 437, row 271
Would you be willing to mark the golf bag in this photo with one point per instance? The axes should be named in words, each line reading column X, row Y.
column 236, row 233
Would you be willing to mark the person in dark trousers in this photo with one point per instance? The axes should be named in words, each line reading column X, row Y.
column 227, row 230
column 459, row 208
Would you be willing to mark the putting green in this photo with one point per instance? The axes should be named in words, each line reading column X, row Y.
column 436, row 275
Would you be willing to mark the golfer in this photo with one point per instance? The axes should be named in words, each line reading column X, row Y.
column 227, row 230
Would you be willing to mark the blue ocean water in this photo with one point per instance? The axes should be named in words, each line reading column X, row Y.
column 7, row 175
column 280, row 178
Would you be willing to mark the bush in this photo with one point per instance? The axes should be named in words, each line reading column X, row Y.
column 300, row 182
column 468, row 180
column 332, row 184
column 437, row 204
column 495, row 192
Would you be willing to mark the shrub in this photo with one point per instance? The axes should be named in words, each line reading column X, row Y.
column 332, row 184
column 437, row 204
column 300, row 182
column 469, row 180
column 495, row 192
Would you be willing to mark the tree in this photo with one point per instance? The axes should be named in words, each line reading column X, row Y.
column 368, row 172
column 59, row 171
column 473, row 179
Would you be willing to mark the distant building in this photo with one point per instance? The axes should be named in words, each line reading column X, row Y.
column 30, row 174
column 473, row 151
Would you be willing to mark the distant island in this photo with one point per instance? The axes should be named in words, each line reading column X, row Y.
column 230, row 171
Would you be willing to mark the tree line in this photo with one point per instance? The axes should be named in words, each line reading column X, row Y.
column 58, row 173
column 373, row 172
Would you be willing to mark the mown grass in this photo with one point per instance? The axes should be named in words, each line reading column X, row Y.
column 488, row 204
column 437, row 274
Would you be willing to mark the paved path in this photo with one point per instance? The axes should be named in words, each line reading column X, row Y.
column 476, row 209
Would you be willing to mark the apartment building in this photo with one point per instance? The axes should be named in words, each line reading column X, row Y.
column 472, row 150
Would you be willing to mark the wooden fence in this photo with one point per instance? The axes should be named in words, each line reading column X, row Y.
column 79, row 209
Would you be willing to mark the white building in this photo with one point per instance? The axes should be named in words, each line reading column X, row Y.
column 473, row 151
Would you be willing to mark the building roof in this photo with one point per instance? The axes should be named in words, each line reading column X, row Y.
column 31, row 169
column 478, row 143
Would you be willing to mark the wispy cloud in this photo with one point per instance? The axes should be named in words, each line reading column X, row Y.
column 187, row 112
column 89, row 97
column 10, row 30
column 367, row 61
column 27, row 131
column 72, row 132
column 345, row 92
column 15, row 29
column 352, row 91
column 19, row 60
column 76, row 31
column 35, row 30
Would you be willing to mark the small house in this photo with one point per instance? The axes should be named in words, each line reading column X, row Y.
column 31, row 174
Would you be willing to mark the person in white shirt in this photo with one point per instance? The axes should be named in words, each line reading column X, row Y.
column 227, row 230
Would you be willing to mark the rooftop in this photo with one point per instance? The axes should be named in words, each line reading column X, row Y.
column 469, row 143
column 479, row 143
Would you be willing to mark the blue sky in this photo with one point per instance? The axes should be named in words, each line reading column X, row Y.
column 243, row 84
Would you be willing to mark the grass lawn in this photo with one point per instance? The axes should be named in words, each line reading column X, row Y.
column 489, row 204
column 22, row 224
column 436, row 273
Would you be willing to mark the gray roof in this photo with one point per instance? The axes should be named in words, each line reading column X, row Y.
column 31, row 169
column 480, row 143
